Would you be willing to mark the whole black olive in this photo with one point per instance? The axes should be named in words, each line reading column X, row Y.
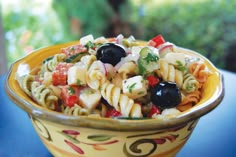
column 110, row 53
column 165, row 95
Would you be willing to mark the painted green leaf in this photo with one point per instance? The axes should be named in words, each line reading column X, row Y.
column 100, row 137
column 69, row 137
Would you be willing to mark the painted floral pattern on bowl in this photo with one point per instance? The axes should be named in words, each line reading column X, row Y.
column 85, row 142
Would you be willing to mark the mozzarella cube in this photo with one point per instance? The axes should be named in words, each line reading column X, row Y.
column 76, row 75
column 134, row 87
column 89, row 98
column 174, row 58
column 84, row 40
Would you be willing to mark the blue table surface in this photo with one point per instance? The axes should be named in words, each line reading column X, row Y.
column 214, row 136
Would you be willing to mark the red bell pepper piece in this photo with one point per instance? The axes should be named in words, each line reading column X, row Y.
column 154, row 110
column 112, row 113
column 157, row 41
column 69, row 95
column 152, row 80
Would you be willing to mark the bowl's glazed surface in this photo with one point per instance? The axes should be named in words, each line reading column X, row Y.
column 62, row 140
column 95, row 136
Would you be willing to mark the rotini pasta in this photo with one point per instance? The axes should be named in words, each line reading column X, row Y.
column 25, row 82
column 119, row 101
column 168, row 73
column 183, row 79
column 128, row 68
column 49, row 66
column 96, row 75
column 40, row 93
column 190, row 83
column 199, row 71
column 189, row 100
column 43, row 95
column 76, row 110
column 117, row 77
column 79, row 71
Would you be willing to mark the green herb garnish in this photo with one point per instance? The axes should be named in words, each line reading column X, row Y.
column 190, row 88
column 90, row 45
column 141, row 92
column 131, row 87
column 150, row 58
column 72, row 48
column 71, row 91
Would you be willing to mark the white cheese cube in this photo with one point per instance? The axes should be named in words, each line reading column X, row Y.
column 175, row 58
column 89, row 98
column 136, row 49
column 84, row 40
column 76, row 75
column 134, row 87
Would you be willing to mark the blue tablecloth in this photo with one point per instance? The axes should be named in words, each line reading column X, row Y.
column 214, row 135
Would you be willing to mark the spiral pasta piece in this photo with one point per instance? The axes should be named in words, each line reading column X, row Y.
column 199, row 71
column 189, row 100
column 25, row 83
column 184, row 80
column 96, row 75
column 76, row 110
column 50, row 65
column 88, row 60
column 40, row 93
column 43, row 95
column 128, row 68
column 168, row 73
column 119, row 101
column 89, row 71
column 190, row 83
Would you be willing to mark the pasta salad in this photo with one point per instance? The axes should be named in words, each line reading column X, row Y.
column 118, row 77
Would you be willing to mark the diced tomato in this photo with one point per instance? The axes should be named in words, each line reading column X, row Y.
column 71, row 50
column 112, row 113
column 59, row 76
column 154, row 110
column 70, row 95
column 156, row 41
column 152, row 80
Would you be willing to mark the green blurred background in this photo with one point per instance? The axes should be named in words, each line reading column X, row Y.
column 206, row 26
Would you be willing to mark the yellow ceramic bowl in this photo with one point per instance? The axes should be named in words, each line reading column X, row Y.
column 93, row 136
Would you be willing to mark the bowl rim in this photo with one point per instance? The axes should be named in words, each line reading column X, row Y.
column 109, row 123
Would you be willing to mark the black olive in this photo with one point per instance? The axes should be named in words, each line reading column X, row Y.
column 110, row 53
column 165, row 95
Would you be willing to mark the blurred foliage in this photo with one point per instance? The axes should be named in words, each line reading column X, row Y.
column 82, row 17
column 27, row 29
column 206, row 26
